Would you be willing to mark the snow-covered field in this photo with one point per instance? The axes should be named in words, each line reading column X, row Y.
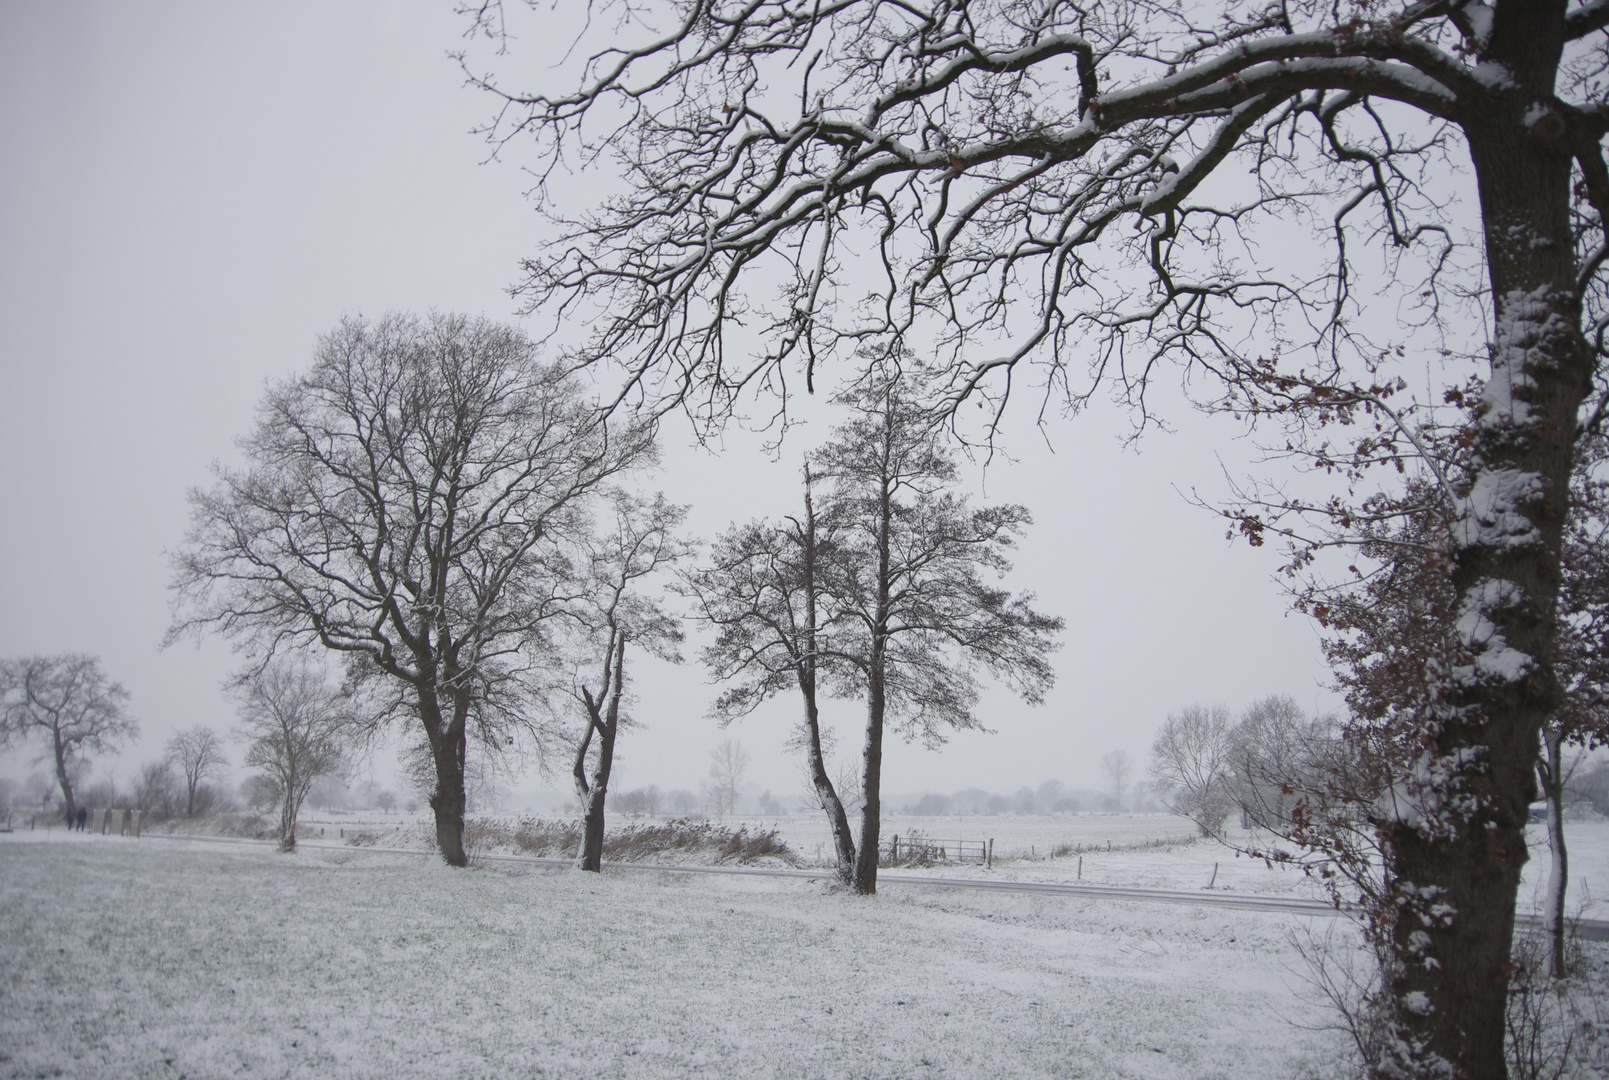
column 170, row 958
column 165, row 958
column 1024, row 845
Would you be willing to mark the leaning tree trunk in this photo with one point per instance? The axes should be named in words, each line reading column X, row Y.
column 843, row 837
column 1457, row 862
column 447, row 748
column 605, row 720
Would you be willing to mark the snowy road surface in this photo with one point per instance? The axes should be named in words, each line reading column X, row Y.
column 161, row 959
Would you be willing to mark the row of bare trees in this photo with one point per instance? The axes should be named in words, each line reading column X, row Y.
column 1207, row 764
column 445, row 514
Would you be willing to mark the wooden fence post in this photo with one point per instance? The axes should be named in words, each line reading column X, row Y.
column 989, row 859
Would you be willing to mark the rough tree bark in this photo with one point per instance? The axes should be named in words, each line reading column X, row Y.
column 1457, row 867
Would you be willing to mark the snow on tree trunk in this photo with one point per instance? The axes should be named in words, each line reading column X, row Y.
column 1459, row 851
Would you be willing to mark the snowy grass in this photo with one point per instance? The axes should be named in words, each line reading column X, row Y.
column 157, row 958
column 1159, row 851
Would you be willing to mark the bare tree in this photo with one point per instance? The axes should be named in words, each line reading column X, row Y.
column 69, row 704
column 260, row 793
column 1190, row 765
column 156, row 789
column 1275, row 753
column 295, row 725
column 763, row 592
column 728, row 763
column 1004, row 166
column 1117, row 767
column 402, row 505
column 636, row 542
column 198, row 753
column 922, row 623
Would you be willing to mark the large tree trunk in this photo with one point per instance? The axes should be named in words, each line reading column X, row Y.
column 1457, row 867
column 876, row 689
column 287, row 817
column 447, row 748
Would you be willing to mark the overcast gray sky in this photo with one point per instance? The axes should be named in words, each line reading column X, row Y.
column 190, row 193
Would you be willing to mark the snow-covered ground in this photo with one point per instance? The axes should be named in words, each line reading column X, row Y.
column 1024, row 847
column 159, row 958
column 168, row 958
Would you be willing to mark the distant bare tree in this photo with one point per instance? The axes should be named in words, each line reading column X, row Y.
column 1274, row 754
column 1117, row 767
column 69, row 704
column 402, row 504
column 295, row 725
column 1190, row 765
column 156, row 790
column 198, row 753
column 260, row 792
column 728, row 762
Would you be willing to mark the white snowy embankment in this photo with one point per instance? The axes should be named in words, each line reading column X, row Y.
column 158, row 958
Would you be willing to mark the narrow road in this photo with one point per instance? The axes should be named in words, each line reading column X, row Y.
column 1586, row 929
